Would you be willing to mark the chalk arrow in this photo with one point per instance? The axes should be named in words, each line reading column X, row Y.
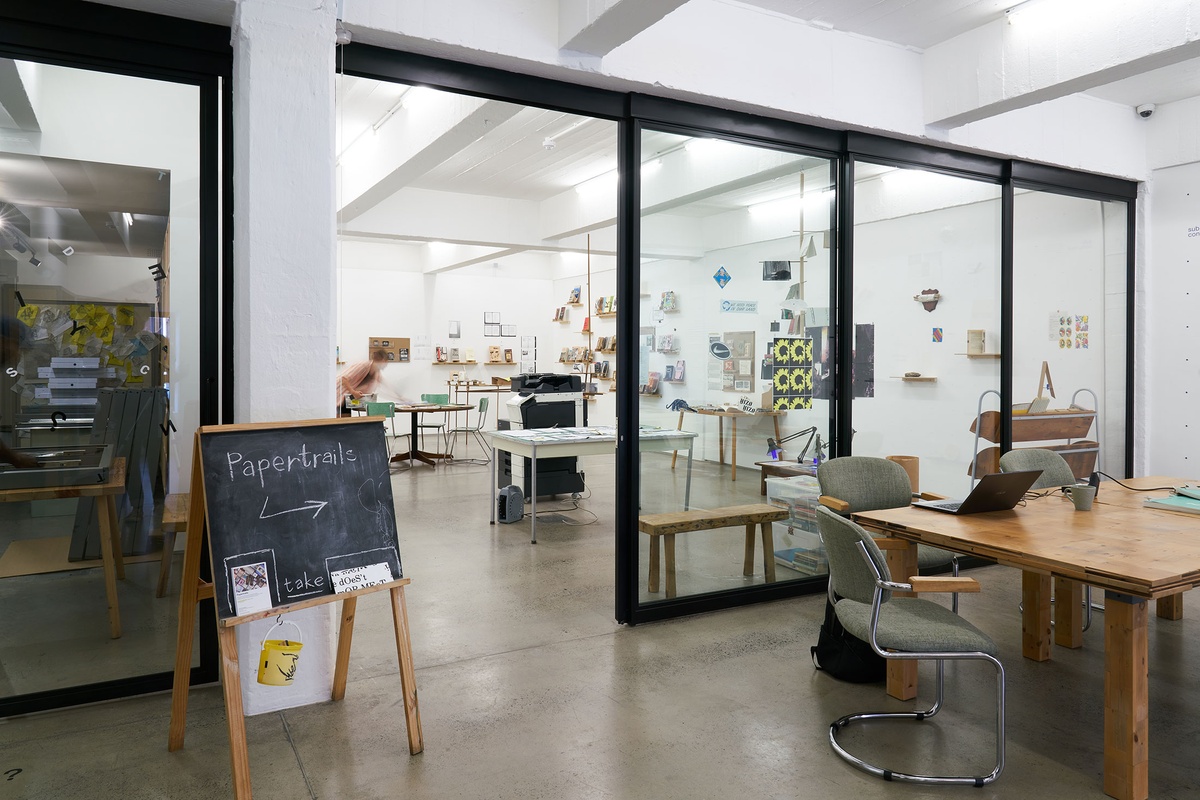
column 314, row 506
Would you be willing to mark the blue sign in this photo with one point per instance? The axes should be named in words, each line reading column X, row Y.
column 721, row 277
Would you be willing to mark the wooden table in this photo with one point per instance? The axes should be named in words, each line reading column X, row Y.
column 1135, row 554
column 593, row 440
column 415, row 451
column 781, row 469
column 110, row 535
column 721, row 416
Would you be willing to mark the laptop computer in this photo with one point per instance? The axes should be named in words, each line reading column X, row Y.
column 999, row 491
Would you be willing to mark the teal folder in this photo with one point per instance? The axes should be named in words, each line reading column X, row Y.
column 1175, row 502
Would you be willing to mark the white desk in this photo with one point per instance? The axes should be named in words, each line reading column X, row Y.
column 592, row 440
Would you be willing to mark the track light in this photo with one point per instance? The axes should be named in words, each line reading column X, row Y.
column 34, row 260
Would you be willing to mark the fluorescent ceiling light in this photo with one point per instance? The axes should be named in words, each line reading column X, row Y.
column 128, row 218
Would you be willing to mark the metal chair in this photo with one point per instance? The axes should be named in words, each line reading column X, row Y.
column 864, row 483
column 1055, row 472
column 440, row 427
column 860, row 588
column 387, row 410
column 476, row 431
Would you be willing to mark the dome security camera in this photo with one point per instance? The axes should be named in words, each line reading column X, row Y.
column 1146, row 110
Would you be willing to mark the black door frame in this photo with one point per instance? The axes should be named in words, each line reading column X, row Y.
column 101, row 38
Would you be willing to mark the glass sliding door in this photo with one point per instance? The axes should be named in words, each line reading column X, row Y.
column 927, row 321
column 100, row 275
column 1069, row 354
column 733, row 319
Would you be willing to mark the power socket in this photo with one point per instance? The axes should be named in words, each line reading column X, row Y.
column 1188, row 490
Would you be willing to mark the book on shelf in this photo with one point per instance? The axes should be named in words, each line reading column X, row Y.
column 669, row 373
column 508, row 356
column 679, row 370
column 669, row 302
column 469, row 354
column 574, row 298
column 563, row 356
column 587, row 324
column 607, row 304
column 493, row 352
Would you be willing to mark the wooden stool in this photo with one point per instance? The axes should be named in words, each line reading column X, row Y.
column 665, row 526
column 174, row 520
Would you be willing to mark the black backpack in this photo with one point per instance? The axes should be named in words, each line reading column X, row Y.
column 843, row 655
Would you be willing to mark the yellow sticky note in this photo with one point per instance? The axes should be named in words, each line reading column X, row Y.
column 27, row 313
column 124, row 315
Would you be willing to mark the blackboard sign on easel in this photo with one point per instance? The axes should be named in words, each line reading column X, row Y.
column 296, row 514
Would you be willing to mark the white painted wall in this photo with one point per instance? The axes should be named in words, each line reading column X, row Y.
column 383, row 293
column 1173, row 335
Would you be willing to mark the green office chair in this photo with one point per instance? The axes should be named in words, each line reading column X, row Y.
column 476, row 431
column 869, row 484
column 1055, row 472
column 423, row 424
column 860, row 588
column 387, row 410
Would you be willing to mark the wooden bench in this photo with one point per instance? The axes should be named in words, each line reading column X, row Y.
column 666, row 526
column 174, row 520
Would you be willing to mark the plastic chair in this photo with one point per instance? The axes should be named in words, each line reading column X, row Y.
column 864, row 483
column 860, row 588
column 423, row 424
column 476, row 431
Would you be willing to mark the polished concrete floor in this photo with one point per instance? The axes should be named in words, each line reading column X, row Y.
column 528, row 689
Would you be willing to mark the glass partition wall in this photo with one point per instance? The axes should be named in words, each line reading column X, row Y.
column 1070, row 348
column 927, row 321
column 100, row 276
column 732, row 347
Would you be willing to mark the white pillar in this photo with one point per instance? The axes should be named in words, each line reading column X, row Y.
column 284, row 237
column 284, row 269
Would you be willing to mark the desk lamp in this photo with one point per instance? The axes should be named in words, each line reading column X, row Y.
column 775, row 448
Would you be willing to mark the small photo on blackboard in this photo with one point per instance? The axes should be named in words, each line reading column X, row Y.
column 252, row 582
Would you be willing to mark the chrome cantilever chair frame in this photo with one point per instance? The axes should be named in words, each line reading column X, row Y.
column 940, row 657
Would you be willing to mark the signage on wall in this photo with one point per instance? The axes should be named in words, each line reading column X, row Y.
column 721, row 276
column 739, row 306
column 720, row 351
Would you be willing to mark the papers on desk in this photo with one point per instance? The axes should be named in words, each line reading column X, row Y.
column 561, row 434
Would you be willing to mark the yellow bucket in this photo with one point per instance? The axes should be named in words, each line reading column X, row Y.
column 279, row 658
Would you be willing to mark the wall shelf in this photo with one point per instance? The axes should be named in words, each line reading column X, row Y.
column 917, row 379
column 979, row 355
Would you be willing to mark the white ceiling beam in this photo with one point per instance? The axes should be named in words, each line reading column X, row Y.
column 15, row 99
column 597, row 27
column 429, row 129
column 1047, row 50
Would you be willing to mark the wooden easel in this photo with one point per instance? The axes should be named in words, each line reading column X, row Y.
column 195, row 590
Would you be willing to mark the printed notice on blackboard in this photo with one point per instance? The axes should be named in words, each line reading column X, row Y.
column 355, row 578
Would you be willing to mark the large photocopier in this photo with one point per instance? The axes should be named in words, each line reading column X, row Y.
column 544, row 400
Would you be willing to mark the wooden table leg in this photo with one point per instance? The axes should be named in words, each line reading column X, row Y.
column 109, row 555
column 748, row 558
column 655, row 568
column 341, row 666
column 902, row 674
column 669, row 544
column 115, row 530
column 164, row 564
column 231, row 685
column 1126, row 697
column 1068, row 613
column 720, row 440
column 733, row 441
column 408, row 675
column 1035, row 619
column 768, row 543
column 1169, row 607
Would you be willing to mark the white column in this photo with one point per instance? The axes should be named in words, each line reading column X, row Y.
column 284, row 268
column 284, row 237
